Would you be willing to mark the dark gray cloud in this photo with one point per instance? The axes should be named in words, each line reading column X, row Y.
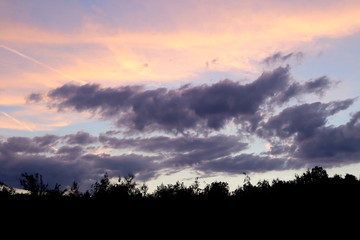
column 28, row 145
column 46, row 140
column 332, row 145
column 70, row 153
column 227, row 100
column 200, row 108
column 244, row 163
column 125, row 164
column 317, row 86
column 68, row 163
column 326, row 145
column 184, row 150
column 303, row 135
column 299, row 134
column 34, row 97
column 279, row 57
column 208, row 106
column 52, row 168
column 81, row 138
column 91, row 97
column 75, row 161
column 302, row 120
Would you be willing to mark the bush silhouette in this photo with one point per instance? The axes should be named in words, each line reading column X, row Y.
column 312, row 188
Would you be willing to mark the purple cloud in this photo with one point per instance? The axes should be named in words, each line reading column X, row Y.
column 205, row 106
column 332, row 145
column 279, row 57
column 81, row 138
column 302, row 120
column 244, row 163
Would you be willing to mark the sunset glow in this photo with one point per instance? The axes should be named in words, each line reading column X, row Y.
column 178, row 89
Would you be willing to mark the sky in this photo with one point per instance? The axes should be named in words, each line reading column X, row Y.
column 174, row 90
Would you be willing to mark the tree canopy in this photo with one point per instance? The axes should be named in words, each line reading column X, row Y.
column 313, row 185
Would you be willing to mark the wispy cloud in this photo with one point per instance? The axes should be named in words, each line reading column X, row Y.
column 68, row 77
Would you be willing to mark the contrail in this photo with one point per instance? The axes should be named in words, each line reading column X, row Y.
column 53, row 148
column 46, row 66
column 25, row 126
column 17, row 121
column 41, row 63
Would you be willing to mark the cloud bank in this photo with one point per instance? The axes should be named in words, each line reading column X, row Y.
column 205, row 107
column 185, row 128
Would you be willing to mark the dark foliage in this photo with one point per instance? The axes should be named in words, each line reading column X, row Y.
column 313, row 189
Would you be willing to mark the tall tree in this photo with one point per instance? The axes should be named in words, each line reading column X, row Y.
column 34, row 184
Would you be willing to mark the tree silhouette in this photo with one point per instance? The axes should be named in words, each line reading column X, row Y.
column 100, row 188
column 217, row 190
column 34, row 184
column 56, row 192
column 316, row 174
column 144, row 190
column 306, row 191
column 125, row 188
column 178, row 191
column 74, row 190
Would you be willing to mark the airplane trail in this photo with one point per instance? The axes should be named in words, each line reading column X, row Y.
column 25, row 126
column 53, row 148
column 20, row 54
column 41, row 63
column 17, row 121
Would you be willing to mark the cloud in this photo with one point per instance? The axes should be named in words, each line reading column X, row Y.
column 70, row 153
column 332, row 145
column 172, row 46
column 201, row 108
column 108, row 101
column 244, row 163
column 261, row 107
column 81, row 138
column 74, row 161
column 310, row 141
column 34, row 97
column 27, row 145
column 19, row 155
column 279, row 58
column 122, row 165
column 205, row 106
column 317, row 86
column 183, row 150
column 68, row 163
column 48, row 139
column 177, row 50
column 302, row 120
column 301, row 134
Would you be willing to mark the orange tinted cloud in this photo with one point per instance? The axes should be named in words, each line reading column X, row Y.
column 231, row 37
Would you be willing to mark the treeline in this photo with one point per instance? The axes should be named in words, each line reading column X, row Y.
column 312, row 185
